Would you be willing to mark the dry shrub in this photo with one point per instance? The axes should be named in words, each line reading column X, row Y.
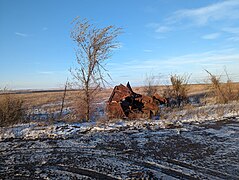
column 179, row 84
column 223, row 92
column 11, row 111
column 177, row 92
column 150, row 87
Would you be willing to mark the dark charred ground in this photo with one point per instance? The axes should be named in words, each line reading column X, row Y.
column 196, row 151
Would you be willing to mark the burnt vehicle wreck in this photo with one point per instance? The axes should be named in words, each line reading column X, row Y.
column 125, row 103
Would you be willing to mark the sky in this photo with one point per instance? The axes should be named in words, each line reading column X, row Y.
column 161, row 38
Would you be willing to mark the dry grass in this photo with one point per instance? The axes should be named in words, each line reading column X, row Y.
column 51, row 101
column 223, row 92
column 39, row 99
column 11, row 110
column 42, row 99
column 192, row 88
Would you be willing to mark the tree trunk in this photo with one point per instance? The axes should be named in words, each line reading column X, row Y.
column 87, row 114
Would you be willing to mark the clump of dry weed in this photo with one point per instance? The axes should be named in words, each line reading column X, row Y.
column 223, row 92
column 11, row 110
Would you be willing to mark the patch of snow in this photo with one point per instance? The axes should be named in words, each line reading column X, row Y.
column 65, row 130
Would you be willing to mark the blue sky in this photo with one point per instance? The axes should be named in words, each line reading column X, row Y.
column 161, row 37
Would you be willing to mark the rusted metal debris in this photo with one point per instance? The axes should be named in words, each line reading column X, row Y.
column 125, row 103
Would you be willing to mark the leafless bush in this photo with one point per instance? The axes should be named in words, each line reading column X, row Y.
column 150, row 87
column 223, row 92
column 11, row 110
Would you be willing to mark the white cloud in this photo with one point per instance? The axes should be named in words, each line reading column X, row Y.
column 188, row 63
column 21, row 34
column 152, row 25
column 193, row 64
column 232, row 30
column 213, row 57
column 46, row 72
column 211, row 36
column 225, row 10
column 45, row 28
column 158, row 28
column 148, row 50
column 234, row 38
column 162, row 29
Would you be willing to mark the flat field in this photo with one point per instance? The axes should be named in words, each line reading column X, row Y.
column 53, row 98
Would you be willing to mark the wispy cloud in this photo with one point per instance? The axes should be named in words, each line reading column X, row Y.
column 190, row 63
column 21, row 34
column 45, row 28
column 163, row 29
column 233, row 32
column 158, row 28
column 211, row 36
column 46, row 72
column 225, row 10
column 51, row 72
column 212, row 57
column 148, row 50
column 234, row 38
column 152, row 25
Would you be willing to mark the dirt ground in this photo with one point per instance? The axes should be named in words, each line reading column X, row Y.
column 209, row 150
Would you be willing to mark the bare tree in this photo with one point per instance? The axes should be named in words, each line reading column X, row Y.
column 95, row 46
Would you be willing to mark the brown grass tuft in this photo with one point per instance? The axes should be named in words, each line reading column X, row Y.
column 11, row 111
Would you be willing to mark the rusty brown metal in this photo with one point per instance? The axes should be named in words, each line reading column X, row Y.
column 125, row 103
column 160, row 99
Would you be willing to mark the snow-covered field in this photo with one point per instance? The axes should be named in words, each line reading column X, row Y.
column 42, row 129
column 200, row 143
